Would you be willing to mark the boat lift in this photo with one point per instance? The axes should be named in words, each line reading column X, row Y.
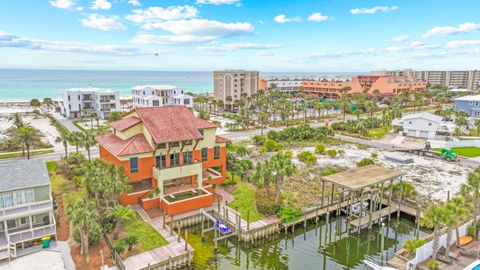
column 225, row 227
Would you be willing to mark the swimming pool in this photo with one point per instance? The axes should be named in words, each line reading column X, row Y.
column 473, row 266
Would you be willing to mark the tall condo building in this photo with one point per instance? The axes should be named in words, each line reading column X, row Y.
column 159, row 95
column 235, row 84
column 469, row 79
column 79, row 102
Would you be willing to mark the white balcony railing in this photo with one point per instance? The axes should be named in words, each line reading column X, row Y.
column 31, row 234
column 26, row 209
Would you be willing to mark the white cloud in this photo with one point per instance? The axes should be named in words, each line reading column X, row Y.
column 101, row 4
column 372, row 10
column 102, row 22
column 134, row 3
column 79, row 8
column 217, row 2
column 265, row 53
column 455, row 44
column 170, row 39
column 452, row 30
column 238, row 46
column 155, row 14
column 399, row 38
column 63, row 4
column 284, row 19
column 317, row 17
column 8, row 40
column 202, row 27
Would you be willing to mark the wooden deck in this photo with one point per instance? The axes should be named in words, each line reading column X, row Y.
column 384, row 212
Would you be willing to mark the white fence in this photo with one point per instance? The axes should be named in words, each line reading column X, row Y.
column 466, row 143
column 426, row 251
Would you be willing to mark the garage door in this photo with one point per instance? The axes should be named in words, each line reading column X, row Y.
column 424, row 134
column 412, row 133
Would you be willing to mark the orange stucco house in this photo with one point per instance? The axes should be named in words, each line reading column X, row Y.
column 171, row 157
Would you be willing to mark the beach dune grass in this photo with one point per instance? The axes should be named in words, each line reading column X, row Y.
column 245, row 201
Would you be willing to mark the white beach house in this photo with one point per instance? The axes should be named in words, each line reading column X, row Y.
column 79, row 102
column 423, row 125
column 159, row 95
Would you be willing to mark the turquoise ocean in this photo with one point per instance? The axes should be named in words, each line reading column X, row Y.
column 25, row 84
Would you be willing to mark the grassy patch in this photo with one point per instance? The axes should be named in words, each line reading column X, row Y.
column 59, row 184
column 467, row 151
column 19, row 154
column 378, row 133
column 52, row 166
column 148, row 237
column 245, row 201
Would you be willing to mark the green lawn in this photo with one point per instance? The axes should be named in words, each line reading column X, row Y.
column 245, row 201
column 467, row 151
column 378, row 133
column 148, row 237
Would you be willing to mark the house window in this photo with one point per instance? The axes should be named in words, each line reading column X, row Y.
column 23, row 221
column 155, row 103
column 133, row 165
column 187, row 158
column 161, row 145
column 410, row 122
column 429, row 124
column 174, row 159
column 186, row 101
column 161, row 161
column 8, row 199
column 11, row 223
column 29, row 196
column 19, row 199
column 201, row 131
column 174, row 144
column 216, row 152
column 204, row 154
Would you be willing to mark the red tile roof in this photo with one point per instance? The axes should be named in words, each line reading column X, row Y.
column 125, row 123
column 220, row 139
column 172, row 123
column 135, row 145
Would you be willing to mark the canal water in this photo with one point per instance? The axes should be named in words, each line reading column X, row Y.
column 314, row 247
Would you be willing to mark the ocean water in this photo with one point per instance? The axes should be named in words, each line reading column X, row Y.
column 25, row 84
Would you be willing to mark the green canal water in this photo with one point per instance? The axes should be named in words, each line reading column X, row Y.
column 312, row 248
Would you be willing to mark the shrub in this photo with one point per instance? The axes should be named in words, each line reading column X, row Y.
column 94, row 234
column 119, row 248
column 365, row 162
column 300, row 133
column 341, row 152
column 78, row 180
column 412, row 244
column 330, row 171
column 432, row 265
column 259, row 139
column 307, row 157
column 320, row 149
column 231, row 179
column 265, row 202
column 271, row 146
column 331, row 153
column 374, row 155
column 289, row 214
column 108, row 227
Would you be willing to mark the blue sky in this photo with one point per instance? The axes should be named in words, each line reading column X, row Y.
column 267, row 35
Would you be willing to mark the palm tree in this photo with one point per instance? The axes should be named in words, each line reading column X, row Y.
column 131, row 241
column 319, row 106
column 35, row 103
column 433, row 218
column 121, row 214
column 473, row 188
column 28, row 136
column 63, row 138
column 229, row 99
column 460, row 211
column 477, row 125
column 412, row 244
column 82, row 214
column 282, row 166
column 47, row 102
column 345, row 101
column 87, row 140
column 76, row 137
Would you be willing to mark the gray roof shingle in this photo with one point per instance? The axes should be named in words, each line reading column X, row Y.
column 23, row 174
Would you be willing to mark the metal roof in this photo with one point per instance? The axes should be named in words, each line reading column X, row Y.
column 23, row 174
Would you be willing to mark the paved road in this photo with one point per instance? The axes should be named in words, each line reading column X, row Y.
column 67, row 123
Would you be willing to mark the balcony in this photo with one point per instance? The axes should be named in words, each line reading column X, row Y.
column 162, row 174
column 26, row 209
column 31, row 234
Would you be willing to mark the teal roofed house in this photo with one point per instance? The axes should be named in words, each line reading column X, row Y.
column 26, row 206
